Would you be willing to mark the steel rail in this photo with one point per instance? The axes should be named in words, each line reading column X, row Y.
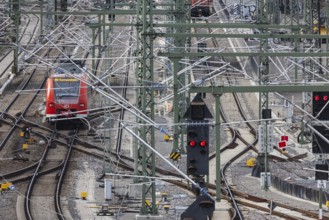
column 58, row 208
column 27, row 208
column 23, row 32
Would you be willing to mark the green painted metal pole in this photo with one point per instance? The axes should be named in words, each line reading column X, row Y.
column 179, row 102
column 55, row 9
column 104, row 31
column 217, row 127
column 266, row 184
column 99, row 33
column 176, row 104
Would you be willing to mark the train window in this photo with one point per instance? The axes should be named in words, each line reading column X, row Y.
column 66, row 88
column 68, row 68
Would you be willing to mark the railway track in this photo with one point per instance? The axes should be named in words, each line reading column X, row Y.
column 124, row 95
column 16, row 115
column 90, row 149
column 13, row 116
column 58, row 207
column 25, row 39
column 37, row 171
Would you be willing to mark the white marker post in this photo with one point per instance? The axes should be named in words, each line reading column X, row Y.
column 321, row 185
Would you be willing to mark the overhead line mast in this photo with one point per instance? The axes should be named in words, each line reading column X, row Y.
column 145, row 102
column 267, row 17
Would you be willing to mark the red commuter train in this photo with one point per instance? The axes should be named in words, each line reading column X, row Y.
column 201, row 8
column 67, row 94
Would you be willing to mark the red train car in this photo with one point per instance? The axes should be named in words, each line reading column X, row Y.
column 201, row 8
column 66, row 95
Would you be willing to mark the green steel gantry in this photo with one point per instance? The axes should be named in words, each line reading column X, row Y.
column 268, row 17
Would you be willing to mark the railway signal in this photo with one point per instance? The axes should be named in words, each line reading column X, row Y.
column 320, row 105
column 320, row 110
column 197, row 137
column 197, row 111
column 197, row 149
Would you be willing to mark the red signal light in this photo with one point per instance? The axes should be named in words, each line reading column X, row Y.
column 325, row 98
column 316, row 98
column 203, row 143
column 192, row 143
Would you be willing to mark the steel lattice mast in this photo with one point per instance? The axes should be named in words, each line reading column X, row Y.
column 181, row 16
column 267, row 16
column 145, row 100
column 263, row 73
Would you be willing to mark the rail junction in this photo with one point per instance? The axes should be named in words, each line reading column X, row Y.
column 164, row 109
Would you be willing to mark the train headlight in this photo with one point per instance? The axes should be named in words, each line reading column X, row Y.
column 82, row 105
column 51, row 104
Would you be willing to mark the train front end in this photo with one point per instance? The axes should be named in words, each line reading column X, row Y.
column 67, row 97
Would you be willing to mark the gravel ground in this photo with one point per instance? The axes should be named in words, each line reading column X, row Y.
column 243, row 181
column 8, row 202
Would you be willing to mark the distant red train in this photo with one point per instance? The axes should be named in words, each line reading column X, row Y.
column 66, row 95
column 201, row 8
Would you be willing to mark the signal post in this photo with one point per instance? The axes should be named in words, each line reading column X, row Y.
column 320, row 111
column 197, row 149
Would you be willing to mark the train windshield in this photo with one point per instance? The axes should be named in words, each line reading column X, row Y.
column 68, row 67
column 66, row 87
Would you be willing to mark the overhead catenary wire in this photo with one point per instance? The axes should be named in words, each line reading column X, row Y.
column 195, row 83
column 203, row 191
column 117, row 99
column 41, row 205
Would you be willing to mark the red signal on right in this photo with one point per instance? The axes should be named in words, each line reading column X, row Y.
column 203, row 143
